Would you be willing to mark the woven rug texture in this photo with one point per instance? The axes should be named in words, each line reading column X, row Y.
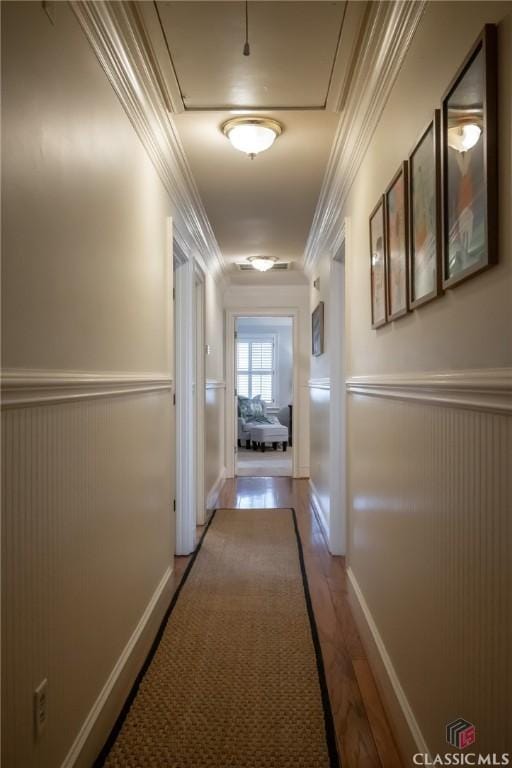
column 234, row 681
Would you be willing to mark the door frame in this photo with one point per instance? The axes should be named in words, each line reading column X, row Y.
column 189, row 388
column 231, row 422
column 200, row 393
column 337, row 539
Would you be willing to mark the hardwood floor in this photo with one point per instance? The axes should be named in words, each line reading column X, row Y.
column 364, row 736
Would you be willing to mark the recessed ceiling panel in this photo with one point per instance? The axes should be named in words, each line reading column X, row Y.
column 293, row 49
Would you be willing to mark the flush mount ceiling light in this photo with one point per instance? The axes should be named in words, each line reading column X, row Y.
column 464, row 137
column 252, row 135
column 262, row 263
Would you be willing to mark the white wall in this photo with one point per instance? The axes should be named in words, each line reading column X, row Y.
column 281, row 329
column 429, row 479
column 87, row 343
column 320, row 366
column 246, row 298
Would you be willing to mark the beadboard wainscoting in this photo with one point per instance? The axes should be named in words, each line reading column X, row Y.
column 214, row 441
column 430, row 537
column 319, row 404
column 87, row 551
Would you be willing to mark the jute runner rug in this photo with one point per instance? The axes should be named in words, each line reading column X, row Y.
column 235, row 679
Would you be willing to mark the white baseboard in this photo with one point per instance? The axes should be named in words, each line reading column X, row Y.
column 106, row 708
column 405, row 726
column 211, row 500
column 319, row 511
column 302, row 472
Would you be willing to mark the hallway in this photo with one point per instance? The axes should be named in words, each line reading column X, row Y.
column 282, row 225
column 362, row 730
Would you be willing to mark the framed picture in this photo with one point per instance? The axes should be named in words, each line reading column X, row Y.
column 469, row 139
column 425, row 278
column 396, row 244
column 378, row 265
column 317, row 330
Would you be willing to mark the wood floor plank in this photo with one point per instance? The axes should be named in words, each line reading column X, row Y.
column 378, row 722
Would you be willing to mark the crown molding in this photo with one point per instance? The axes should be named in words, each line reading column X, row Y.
column 388, row 33
column 119, row 40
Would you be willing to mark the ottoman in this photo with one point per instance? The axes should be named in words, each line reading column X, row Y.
column 269, row 433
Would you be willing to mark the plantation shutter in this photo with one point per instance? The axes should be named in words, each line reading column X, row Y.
column 242, row 364
column 255, row 368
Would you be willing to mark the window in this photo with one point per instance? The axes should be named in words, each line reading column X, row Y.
column 255, row 365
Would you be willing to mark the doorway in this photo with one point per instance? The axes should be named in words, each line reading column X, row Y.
column 189, row 319
column 264, row 383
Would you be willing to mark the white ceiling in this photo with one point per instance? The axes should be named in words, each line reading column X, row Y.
column 301, row 60
column 266, row 205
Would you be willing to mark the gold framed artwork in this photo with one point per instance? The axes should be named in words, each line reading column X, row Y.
column 436, row 224
column 425, row 235
column 397, row 244
column 378, row 265
column 469, row 164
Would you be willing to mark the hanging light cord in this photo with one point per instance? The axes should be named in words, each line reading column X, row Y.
column 247, row 47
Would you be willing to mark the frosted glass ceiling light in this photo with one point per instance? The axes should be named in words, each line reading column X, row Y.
column 462, row 138
column 262, row 263
column 252, row 135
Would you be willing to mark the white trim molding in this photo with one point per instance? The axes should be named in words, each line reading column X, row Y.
column 123, row 668
column 186, row 446
column 213, row 494
column 22, row 388
column 481, row 390
column 215, row 384
column 337, row 399
column 406, row 728
column 320, row 513
column 387, row 35
column 118, row 38
column 320, row 383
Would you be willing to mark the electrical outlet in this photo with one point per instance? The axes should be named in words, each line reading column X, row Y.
column 40, row 707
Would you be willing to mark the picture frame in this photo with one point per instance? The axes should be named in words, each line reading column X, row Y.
column 397, row 240
column 469, row 164
column 425, row 229
column 378, row 298
column 317, row 330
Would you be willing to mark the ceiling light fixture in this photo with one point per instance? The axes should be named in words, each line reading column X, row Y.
column 262, row 263
column 252, row 135
column 464, row 137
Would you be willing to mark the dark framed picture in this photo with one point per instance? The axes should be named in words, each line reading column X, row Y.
column 317, row 330
column 396, row 244
column 378, row 265
column 469, row 169
column 425, row 235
